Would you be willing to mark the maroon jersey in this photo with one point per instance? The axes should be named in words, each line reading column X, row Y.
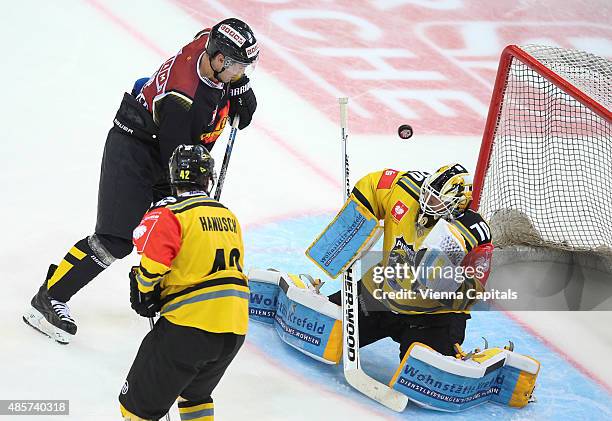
column 187, row 107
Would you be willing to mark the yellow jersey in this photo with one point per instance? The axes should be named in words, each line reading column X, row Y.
column 192, row 246
column 393, row 197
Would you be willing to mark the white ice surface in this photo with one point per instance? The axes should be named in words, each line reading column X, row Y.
column 65, row 65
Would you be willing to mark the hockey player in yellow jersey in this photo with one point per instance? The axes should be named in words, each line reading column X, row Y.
column 191, row 273
column 414, row 205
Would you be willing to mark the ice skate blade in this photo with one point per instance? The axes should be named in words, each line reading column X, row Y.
column 35, row 319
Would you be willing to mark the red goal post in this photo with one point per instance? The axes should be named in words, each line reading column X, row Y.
column 544, row 173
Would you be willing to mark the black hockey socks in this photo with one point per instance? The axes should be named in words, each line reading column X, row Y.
column 83, row 262
column 203, row 410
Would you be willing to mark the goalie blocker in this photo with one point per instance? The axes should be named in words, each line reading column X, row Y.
column 354, row 230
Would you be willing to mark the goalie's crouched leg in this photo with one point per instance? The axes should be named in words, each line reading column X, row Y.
column 376, row 322
column 438, row 331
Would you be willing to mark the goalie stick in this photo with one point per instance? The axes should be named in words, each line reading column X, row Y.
column 353, row 372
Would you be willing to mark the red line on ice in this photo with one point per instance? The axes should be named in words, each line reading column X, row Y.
column 131, row 30
column 584, row 370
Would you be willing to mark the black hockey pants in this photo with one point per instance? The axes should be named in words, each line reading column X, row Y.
column 376, row 322
column 177, row 361
column 131, row 178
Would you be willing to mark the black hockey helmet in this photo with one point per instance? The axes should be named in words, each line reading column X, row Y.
column 192, row 167
column 235, row 40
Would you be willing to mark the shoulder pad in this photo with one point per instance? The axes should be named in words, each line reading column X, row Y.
column 417, row 177
column 202, row 33
column 387, row 177
column 169, row 200
column 411, row 182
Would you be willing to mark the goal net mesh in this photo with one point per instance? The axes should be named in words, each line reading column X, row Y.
column 548, row 180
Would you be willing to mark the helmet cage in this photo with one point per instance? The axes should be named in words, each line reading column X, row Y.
column 447, row 192
column 436, row 204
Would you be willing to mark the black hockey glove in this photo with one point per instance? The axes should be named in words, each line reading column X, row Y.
column 242, row 101
column 145, row 304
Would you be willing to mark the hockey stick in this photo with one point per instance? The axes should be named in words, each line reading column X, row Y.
column 353, row 372
column 226, row 158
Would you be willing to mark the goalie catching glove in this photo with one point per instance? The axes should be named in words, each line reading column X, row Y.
column 442, row 262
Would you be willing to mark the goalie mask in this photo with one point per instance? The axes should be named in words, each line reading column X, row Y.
column 447, row 192
column 192, row 168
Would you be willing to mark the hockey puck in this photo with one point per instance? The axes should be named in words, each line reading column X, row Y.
column 404, row 131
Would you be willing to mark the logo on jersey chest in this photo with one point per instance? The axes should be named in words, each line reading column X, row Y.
column 399, row 211
column 208, row 137
column 401, row 244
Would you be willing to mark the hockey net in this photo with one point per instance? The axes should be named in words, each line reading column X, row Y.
column 544, row 173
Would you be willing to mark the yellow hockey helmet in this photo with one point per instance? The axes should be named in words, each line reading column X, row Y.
column 447, row 192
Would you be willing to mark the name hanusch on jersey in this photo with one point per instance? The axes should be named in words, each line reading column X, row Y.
column 216, row 223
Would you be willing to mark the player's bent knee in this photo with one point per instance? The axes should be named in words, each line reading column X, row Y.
column 200, row 410
column 109, row 247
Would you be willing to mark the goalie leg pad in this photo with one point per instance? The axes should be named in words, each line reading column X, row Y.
column 263, row 299
column 444, row 383
column 352, row 231
column 307, row 321
column 518, row 379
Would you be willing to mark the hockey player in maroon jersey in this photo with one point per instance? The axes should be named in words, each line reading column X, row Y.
column 187, row 101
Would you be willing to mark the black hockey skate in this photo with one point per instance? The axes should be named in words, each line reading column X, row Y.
column 50, row 316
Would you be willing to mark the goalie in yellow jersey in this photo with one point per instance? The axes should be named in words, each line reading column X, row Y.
column 430, row 230
column 434, row 265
